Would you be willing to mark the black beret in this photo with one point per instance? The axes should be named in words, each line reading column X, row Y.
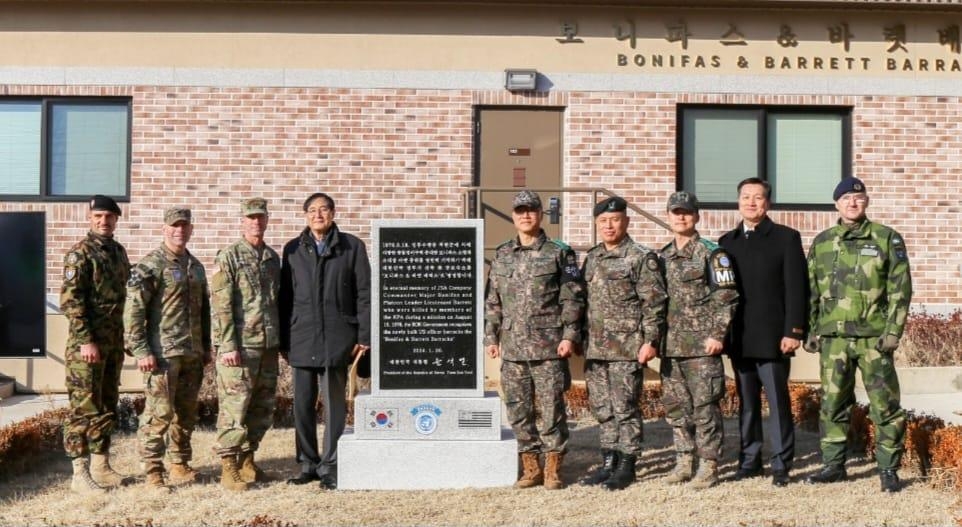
column 612, row 204
column 101, row 202
column 846, row 185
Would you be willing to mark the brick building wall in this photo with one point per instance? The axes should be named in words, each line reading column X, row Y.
column 408, row 153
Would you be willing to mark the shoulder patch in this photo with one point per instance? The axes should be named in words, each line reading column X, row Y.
column 72, row 258
column 569, row 267
column 721, row 274
column 561, row 244
column 69, row 273
column 652, row 262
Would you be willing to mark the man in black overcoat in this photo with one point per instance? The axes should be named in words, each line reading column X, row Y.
column 325, row 318
column 769, row 326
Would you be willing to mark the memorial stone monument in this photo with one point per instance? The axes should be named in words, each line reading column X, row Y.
column 427, row 423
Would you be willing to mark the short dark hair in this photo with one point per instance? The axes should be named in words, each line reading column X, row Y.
column 318, row 195
column 756, row 181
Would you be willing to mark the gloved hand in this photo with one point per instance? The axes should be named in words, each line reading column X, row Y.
column 887, row 344
column 812, row 344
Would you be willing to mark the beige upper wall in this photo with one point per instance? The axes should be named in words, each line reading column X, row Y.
column 467, row 38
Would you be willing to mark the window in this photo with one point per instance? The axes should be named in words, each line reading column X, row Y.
column 64, row 148
column 801, row 151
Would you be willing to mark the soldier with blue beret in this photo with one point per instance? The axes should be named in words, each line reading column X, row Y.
column 861, row 288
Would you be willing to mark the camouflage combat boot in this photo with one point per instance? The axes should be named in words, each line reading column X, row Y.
column 552, row 469
column 707, row 475
column 103, row 473
column 155, row 476
column 250, row 472
column 684, row 468
column 82, row 483
column 230, row 477
column 182, row 474
column 609, row 460
column 531, row 475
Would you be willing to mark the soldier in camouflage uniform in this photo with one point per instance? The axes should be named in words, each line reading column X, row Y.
column 626, row 315
column 167, row 329
column 861, row 289
column 701, row 303
column 245, row 331
column 92, row 299
column 533, row 305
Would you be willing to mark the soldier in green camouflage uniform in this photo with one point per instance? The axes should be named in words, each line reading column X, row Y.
column 626, row 314
column 861, row 289
column 167, row 329
column 92, row 298
column 245, row 330
column 701, row 303
column 533, row 305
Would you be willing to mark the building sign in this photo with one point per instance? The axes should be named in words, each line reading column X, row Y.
column 805, row 43
column 427, row 310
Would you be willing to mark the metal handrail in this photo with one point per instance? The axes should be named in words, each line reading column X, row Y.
column 595, row 191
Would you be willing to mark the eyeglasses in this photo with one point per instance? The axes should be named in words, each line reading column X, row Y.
column 314, row 211
column 860, row 199
column 522, row 211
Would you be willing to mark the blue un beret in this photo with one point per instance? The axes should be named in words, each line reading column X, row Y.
column 846, row 185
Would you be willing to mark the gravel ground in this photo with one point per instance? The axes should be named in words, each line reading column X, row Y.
column 42, row 496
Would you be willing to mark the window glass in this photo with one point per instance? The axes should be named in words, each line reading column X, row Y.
column 720, row 149
column 88, row 149
column 804, row 156
column 20, row 125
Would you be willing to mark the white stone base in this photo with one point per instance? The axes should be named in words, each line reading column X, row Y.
column 398, row 464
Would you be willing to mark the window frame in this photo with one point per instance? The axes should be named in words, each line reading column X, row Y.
column 763, row 111
column 46, row 129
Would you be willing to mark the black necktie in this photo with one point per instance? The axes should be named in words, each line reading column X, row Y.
column 748, row 233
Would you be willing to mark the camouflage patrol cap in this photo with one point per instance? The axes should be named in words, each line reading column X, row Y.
column 846, row 185
column 683, row 200
column 526, row 198
column 254, row 206
column 106, row 203
column 175, row 214
column 612, row 204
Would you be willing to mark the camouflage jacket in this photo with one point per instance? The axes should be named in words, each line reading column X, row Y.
column 626, row 300
column 244, row 298
column 168, row 306
column 860, row 280
column 92, row 294
column 534, row 299
column 701, row 296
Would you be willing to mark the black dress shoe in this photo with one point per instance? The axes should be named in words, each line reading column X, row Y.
column 303, row 479
column 780, row 478
column 328, row 482
column 746, row 473
column 828, row 474
column 890, row 480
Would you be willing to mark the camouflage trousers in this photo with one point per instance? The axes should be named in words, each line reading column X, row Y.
column 839, row 358
column 691, row 391
column 93, row 390
column 614, row 388
column 170, row 410
column 246, row 397
column 533, row 394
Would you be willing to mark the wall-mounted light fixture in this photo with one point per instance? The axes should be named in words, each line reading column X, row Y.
column 520, row 80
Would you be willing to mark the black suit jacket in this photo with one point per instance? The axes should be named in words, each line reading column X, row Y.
column 772, row 278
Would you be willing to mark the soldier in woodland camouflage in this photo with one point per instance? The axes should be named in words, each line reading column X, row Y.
column 92, row 299
column 701, row 303
column 626, row 314
column 533, row 305
column 246, row 335
column 167, row 329
column 861, row 290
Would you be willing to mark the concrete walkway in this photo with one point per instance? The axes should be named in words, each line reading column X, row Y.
column 19, row 407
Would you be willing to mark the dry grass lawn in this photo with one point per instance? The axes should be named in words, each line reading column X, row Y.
column 42, row 496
